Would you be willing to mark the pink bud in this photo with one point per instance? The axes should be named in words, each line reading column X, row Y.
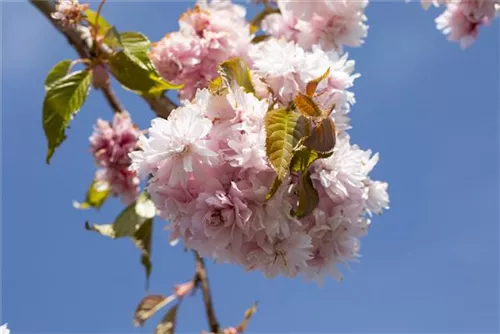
column 230, row 330
column 183, row 289
column 100, row 76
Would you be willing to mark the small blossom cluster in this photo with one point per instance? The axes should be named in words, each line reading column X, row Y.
column 69, row 12
column 110, row 145
column 209, row 34
column 462, row 19
column 331, row 24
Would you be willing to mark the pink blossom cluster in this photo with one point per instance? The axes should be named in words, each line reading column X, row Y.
column 210, row 173
column 209, row 34
column 110, row 144
column 462, row 19
column 69, row 12
column 331, row 24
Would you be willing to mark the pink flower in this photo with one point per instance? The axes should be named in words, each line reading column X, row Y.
column 331, row 24
column 462, row 19
column 110, row 144
column 209, row 34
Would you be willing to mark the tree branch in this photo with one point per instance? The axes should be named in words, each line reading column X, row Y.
column 80, row 38
column 202, row 279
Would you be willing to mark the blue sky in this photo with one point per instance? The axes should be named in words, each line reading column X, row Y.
column 430, row 264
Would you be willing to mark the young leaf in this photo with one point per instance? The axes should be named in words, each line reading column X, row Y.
column 135, row 75
column 284, row 129
column 248, row 314
column 235, row 70
column 60, row 70
column 103, row 25
column 257, row 20
column 112, row 39
column 308, row 196
column 148, row 306
column 303, row 159
column 62, row 101
column 307, row 106
column 323, row 137
column 274, row 187
column 167, row 324
column 95, row 198
column 138, row 46
column 216, row 87
column 259, row 38
column 313, row 84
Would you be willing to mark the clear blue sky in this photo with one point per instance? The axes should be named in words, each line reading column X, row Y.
column 430, row 264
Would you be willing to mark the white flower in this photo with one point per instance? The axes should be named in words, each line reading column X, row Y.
column 175, row 146
column 4, row 329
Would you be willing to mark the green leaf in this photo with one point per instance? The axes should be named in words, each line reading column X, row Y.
column 323, row 137
column 62, row 101
column 167, row 324
column 308, row 196
column 303, row 159
column 59, row 71
column 235, row 70
column 103, row 25
column 306, row 105
column 313, row 84
column 135, row 75
column 138, row 46
column 259, row 38
column 96, row 196
column 136, row 222
column 148, row 306
column 112, row 39
column 248, row 314
column 284, row 129
column 274, row 187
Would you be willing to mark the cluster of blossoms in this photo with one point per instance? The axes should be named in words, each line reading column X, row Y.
column 69, row 12
column 462, row 18
column 110, row 145
column 330, row 24
column 209, row 171
column 209, row 34
column 4, row 329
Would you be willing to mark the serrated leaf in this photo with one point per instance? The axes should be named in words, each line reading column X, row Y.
column 103, row 25
column 308, row 196
column 138, row 45
column 313, row 84
column 148, row 306
column 59, row 71
column 303, row 159
column 235, row 70
column 307, row 106
column 248, row 315
column 284, row 129
column 96, row 196
column 62, row 101
column 323, row 137
column 167, row 324
column 135, row 75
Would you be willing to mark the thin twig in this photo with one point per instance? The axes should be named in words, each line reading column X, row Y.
column 81, row 40
column 112, row 99
column 202, row 278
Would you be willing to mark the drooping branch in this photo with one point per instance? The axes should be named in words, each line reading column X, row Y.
column 202, row 278
column 81, row 40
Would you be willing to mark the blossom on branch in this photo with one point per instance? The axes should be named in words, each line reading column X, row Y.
column 110, row 145
column 210, row 33
column 69, row 12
